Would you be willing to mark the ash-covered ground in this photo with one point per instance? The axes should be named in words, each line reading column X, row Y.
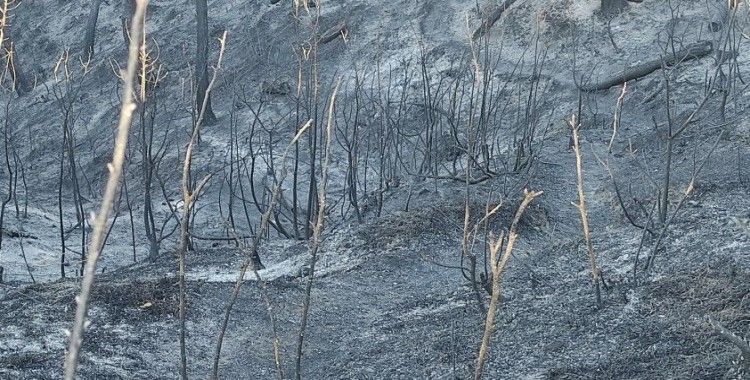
column 390, row 299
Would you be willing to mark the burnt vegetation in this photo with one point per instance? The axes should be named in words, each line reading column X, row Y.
column 313, row 189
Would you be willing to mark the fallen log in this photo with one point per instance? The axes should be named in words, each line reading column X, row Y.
column 693, row 51
column 18, row 234
column 491, row 18
column 333, row 32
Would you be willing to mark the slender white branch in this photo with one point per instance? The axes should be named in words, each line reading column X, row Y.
column 110, row 193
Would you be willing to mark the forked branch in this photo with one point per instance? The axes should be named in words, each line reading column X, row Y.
column 498, row 266
column 575, row 125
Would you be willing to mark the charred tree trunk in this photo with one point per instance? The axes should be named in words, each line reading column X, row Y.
column 201, row 62
column 90, row 34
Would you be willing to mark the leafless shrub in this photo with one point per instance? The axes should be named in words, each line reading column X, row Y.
column 69, row 82
column 317, row 232
column 190, row 195
column 249, row 264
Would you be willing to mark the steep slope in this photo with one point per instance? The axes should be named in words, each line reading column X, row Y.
column 390, row 301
